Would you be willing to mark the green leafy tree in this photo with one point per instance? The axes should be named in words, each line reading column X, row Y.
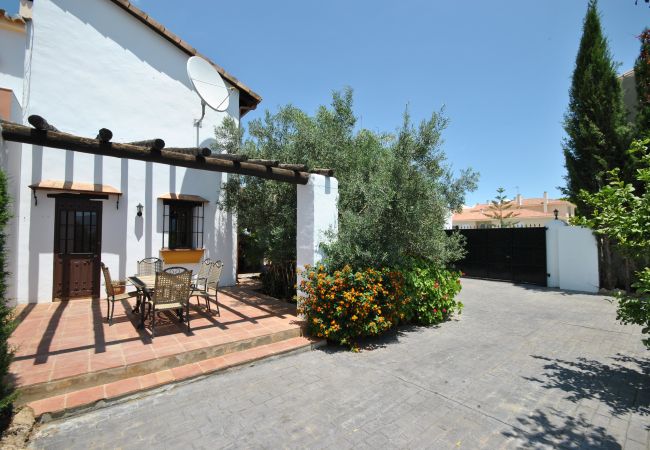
column 595, row 123
column 7, row 324
column 501, row 209
column 396, row 192
column 394, row 189
column 623, row 215
column 642, row 79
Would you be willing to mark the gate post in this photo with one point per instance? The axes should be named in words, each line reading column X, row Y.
column 553, row 252
column 317, row 214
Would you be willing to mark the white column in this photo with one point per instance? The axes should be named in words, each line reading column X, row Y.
column 552, row 252
column 317, row 212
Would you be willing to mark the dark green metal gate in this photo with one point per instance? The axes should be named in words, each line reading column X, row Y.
column 510, row 254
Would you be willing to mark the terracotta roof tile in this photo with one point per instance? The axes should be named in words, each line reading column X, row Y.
column 477, row 214
column 14, row 23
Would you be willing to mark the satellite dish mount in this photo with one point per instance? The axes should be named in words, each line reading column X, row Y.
column 210, row 87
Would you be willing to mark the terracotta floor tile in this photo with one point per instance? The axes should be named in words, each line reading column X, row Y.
column 132, row 357
column 51, row 404
column 112, row 357
column 186, row 371
column 148, row 380
column 122, row 387
column 237, row 358
column 84, row 396
column 164, row 376
column 73, row 343
column 63, row 370
column 193, row 345
column 33, row 377
column 212, row 364
column 174, row 349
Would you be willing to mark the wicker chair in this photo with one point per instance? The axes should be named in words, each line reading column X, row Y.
column 150, row 266
column 111, row 296
column 201, row 275
column 172, row 292
column 202, row 287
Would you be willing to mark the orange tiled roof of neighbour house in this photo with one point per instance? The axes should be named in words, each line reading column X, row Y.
column 524, row 208
column 477, row 213
column 14, row 23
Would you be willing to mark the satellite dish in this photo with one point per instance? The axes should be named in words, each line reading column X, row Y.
column 208, row 83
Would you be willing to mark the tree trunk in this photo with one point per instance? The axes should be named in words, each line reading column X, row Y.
column 608, row 278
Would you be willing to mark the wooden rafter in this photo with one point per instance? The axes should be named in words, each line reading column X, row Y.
column 46, row 137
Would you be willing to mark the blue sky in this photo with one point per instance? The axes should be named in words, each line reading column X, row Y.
column 502, row 69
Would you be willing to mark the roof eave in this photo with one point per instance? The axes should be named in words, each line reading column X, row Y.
column 248, row 99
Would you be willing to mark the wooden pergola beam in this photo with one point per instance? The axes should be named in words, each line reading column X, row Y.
column 153, row 144
column 55, row 139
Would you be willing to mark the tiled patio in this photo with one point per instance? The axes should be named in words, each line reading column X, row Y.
column 67, row 346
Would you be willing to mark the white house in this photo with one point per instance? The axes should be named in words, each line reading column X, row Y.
column 104, row 63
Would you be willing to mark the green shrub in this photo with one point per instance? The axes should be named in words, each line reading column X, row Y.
column 432, row 292
column 636, row 308
column 7, row 324
column 345, row 305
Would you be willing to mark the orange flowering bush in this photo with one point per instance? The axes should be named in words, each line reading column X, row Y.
column 344, row 305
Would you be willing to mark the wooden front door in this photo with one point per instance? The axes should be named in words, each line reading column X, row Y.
column 77, row 247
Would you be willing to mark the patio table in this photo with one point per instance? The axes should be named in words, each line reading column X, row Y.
column 145, row 284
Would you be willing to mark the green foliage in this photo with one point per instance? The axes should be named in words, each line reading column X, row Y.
column 635, row 309
column 642, row 79
column 623, row 216
column 395, row 193
column 7, row 324
column 345, row 305
column 431, row 291
column 500, row 209
column 595, row 123
column 618, row 212
column 395, row 190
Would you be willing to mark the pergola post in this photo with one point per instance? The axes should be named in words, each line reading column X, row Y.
column 317, row 212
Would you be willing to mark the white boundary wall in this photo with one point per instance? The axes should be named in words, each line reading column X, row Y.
column 571, row 257
column 317, row 214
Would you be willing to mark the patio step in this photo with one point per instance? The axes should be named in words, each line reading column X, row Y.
column 133, row 387
column 90, row 379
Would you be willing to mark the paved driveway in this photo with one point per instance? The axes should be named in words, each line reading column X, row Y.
column 522, row 367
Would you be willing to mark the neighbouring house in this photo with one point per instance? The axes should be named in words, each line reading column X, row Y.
column 105, row 63
column 628, row 84
column 528, row 212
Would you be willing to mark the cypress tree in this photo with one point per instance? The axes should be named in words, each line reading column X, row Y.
column 595, row 123
column 642, row 79
column 7, row 323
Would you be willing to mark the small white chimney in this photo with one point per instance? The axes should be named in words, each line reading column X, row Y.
column 545, row 201
column 25, row 10
column 519, row 202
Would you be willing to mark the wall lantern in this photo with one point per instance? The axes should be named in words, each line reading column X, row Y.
column 139, row 207
column 555, row 211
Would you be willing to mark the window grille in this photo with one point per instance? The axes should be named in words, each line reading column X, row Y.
column 183, row 224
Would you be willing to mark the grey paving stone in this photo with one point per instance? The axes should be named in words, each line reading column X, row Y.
column 522, row 368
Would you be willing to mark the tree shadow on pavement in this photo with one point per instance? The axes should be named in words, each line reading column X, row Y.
column 390, row 337
column 624, row 385
column 559, row 430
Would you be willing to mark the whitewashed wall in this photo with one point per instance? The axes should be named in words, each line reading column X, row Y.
column 317, row 216
column 12, row 54
column 93, row 65
column 572, row 258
